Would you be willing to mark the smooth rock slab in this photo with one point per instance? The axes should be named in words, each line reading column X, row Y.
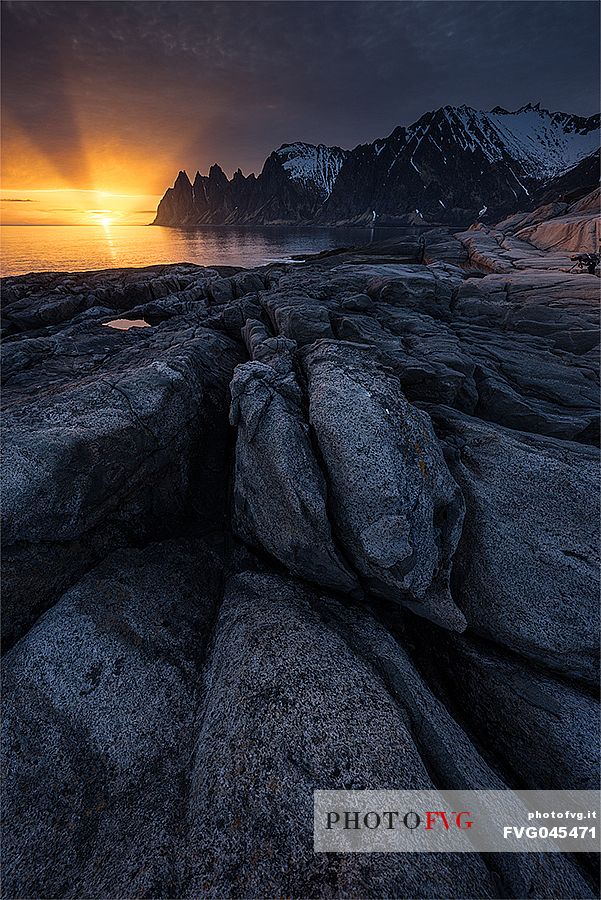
column 396, row 510
column 98, row 728
column 304, row 692
column 50, row 298
column 541, row 731
column 106, row 434
column 280, row 720
column 526, row 572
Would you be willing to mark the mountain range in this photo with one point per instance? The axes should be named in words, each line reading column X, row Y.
column 454, row 165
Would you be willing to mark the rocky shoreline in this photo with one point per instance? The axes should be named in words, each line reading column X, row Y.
column 320, row 525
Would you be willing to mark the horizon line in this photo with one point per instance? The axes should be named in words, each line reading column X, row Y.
column 72, row 225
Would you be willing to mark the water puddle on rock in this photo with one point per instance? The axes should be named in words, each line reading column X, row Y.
column 126, row 324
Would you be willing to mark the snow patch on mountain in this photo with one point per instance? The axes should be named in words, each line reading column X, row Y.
column 310, row 165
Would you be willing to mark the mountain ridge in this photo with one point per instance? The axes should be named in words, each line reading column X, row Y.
column 454, row 164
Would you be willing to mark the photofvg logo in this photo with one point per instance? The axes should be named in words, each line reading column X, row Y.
column 456, row 821
column 393, row 818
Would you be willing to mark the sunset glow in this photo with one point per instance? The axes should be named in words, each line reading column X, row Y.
column 64, row 206
column 83, row 179
column 101, row 111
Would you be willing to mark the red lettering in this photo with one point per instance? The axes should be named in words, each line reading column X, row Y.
column 431, row 817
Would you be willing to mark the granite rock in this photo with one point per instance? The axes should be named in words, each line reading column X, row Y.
column 207, row 621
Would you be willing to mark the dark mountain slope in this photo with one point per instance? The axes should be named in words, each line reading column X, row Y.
column 453, row 165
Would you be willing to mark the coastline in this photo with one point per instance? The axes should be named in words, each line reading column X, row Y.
column 356, row 458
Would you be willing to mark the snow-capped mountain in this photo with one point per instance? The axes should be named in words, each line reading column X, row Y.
column 544, row 143
column 454, row 164
column 457, row 164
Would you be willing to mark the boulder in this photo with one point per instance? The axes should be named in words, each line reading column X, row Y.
column 539, row 730
column 396, row 510
column 280, row 494
column 98, row 728
column 526, row 569
column 105, row 442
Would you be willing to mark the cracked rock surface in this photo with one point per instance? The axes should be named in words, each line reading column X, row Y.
column 321, row 525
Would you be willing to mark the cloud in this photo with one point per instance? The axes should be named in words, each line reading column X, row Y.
column 14, row 200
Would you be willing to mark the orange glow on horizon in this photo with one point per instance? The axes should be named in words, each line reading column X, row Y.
column 95, row 178
column 65, row 206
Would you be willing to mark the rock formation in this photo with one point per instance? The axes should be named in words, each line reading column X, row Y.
column 322, row 525
column 453, row 165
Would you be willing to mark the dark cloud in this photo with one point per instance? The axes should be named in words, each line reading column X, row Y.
column 14, row 200
column 191, row 83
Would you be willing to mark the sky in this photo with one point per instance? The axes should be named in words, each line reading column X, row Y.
column 103, row 103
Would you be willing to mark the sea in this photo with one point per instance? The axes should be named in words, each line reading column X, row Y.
column 73, row 248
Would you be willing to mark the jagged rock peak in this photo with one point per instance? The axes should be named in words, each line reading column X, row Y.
column 182, row 179
column 217, row 172
column 535, row 106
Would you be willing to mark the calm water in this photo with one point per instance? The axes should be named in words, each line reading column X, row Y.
column 73, row 248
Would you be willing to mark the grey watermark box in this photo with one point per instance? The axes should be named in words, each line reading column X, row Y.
column 439, row 821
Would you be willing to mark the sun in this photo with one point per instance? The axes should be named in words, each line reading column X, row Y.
column 103, row 217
